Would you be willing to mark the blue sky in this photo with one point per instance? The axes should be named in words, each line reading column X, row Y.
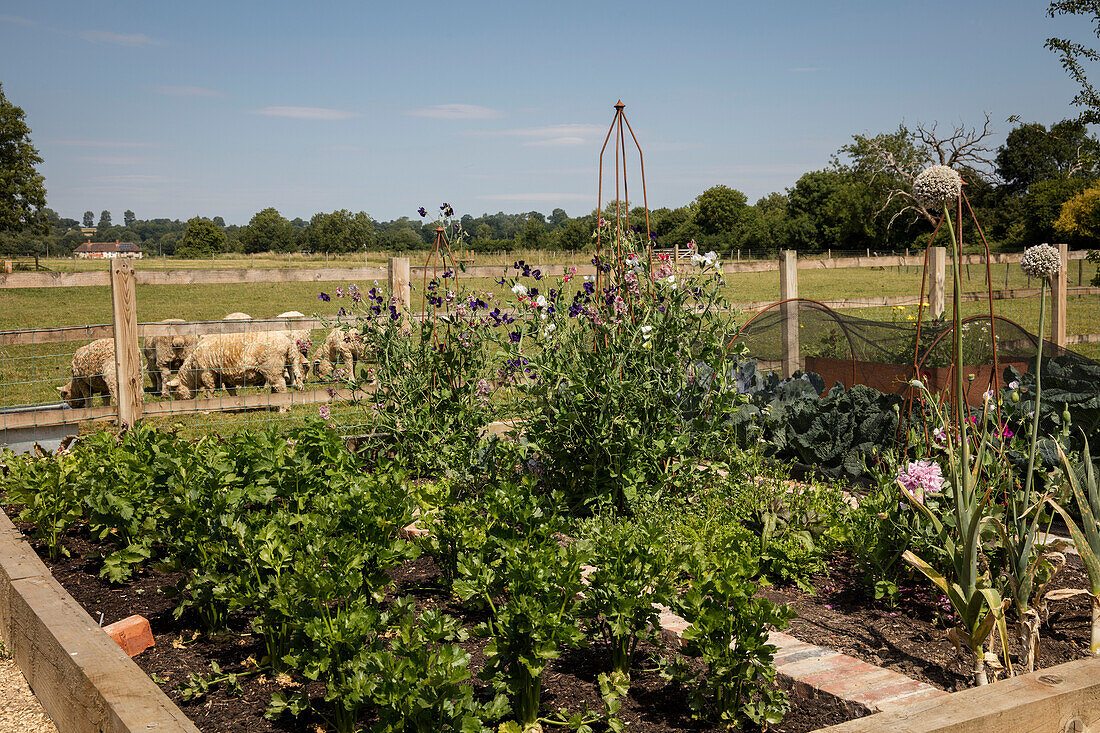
column 177, row 109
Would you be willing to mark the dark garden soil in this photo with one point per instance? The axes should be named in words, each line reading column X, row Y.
column 911, row 638
column 653, row 704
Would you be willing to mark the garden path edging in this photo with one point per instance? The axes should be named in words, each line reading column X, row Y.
column 811, row 671
column 85, row 682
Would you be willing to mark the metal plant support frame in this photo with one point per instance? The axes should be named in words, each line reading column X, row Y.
column 621, row 201
column 433, row 262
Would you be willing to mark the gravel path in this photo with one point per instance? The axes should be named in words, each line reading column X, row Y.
column 19, row 708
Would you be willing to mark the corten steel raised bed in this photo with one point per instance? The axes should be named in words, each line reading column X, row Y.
column 895, row 378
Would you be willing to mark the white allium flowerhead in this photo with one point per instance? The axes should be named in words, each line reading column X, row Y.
column 1041, row 261
column 935, row 185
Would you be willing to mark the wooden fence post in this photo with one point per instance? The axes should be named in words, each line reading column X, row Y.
column 788, row 288
column 1058, row 286
column 131, row 380
column 936, row 295
column 399, row 285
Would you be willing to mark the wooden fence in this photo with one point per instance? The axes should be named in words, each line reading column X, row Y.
column 125, row 329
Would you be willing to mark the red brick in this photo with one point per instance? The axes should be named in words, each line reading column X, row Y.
column 132, row 634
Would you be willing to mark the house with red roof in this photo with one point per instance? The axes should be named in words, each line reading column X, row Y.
column 108, row 250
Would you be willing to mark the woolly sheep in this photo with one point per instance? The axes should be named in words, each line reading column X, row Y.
column 341, row 346
column 166, row 354
column 93, row 372
column 235, row 360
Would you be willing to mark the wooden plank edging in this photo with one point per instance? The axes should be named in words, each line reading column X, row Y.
column 1061, row 698
column 85, row 682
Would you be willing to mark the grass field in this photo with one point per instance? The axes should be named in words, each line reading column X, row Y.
column 30, row 374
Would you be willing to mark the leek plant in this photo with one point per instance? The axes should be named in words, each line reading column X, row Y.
column 1023, row 564
column 969, row 588
column 1085, row 485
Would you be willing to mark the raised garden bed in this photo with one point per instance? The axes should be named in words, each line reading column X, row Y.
column 895, row 378
column 911, row 637
column 653, row 704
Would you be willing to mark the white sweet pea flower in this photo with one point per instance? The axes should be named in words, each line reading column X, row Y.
column 550, row 328
column 541, row 301
column 646, row 332
column 519, row 289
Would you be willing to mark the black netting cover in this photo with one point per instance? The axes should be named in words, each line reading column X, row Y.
column 849, row 350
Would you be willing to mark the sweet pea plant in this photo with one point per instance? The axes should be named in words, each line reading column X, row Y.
column 621, row 376
column 429, row 392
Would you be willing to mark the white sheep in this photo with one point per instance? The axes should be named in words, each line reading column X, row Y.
column 235, row 360
column 166, row 354
column 341, row 346
column 93, row 372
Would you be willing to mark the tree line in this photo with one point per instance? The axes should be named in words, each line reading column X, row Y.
column 1041, row 184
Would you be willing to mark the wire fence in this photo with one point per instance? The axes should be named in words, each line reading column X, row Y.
column 219, row 376
column 200, row 376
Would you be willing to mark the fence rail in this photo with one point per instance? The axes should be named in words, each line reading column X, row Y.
column 127, row 331
column 100, row 278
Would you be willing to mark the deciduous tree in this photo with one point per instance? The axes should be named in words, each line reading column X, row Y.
column 340, row 231
column 1075, row 55
column 720, row 209
column 22, row 188
column 1080, row 215
column 201, row 239
column 268, row 231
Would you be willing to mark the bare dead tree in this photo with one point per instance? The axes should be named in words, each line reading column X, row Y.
column 963, row 148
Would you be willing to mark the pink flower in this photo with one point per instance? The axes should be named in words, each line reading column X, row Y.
column 632, row 283
column 324, row 412
column 920, row 478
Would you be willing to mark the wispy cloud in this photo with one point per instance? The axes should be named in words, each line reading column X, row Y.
column 100, row 143
column 456, row 112
column 342, row 148
column 565, row 140
column 804, row 69
column 17, row 19
column 187, row 91
column 129, row 179
column 112, row 159
column 536, row 197
column 120, row 39
column 565, row 135
column 306, row 113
